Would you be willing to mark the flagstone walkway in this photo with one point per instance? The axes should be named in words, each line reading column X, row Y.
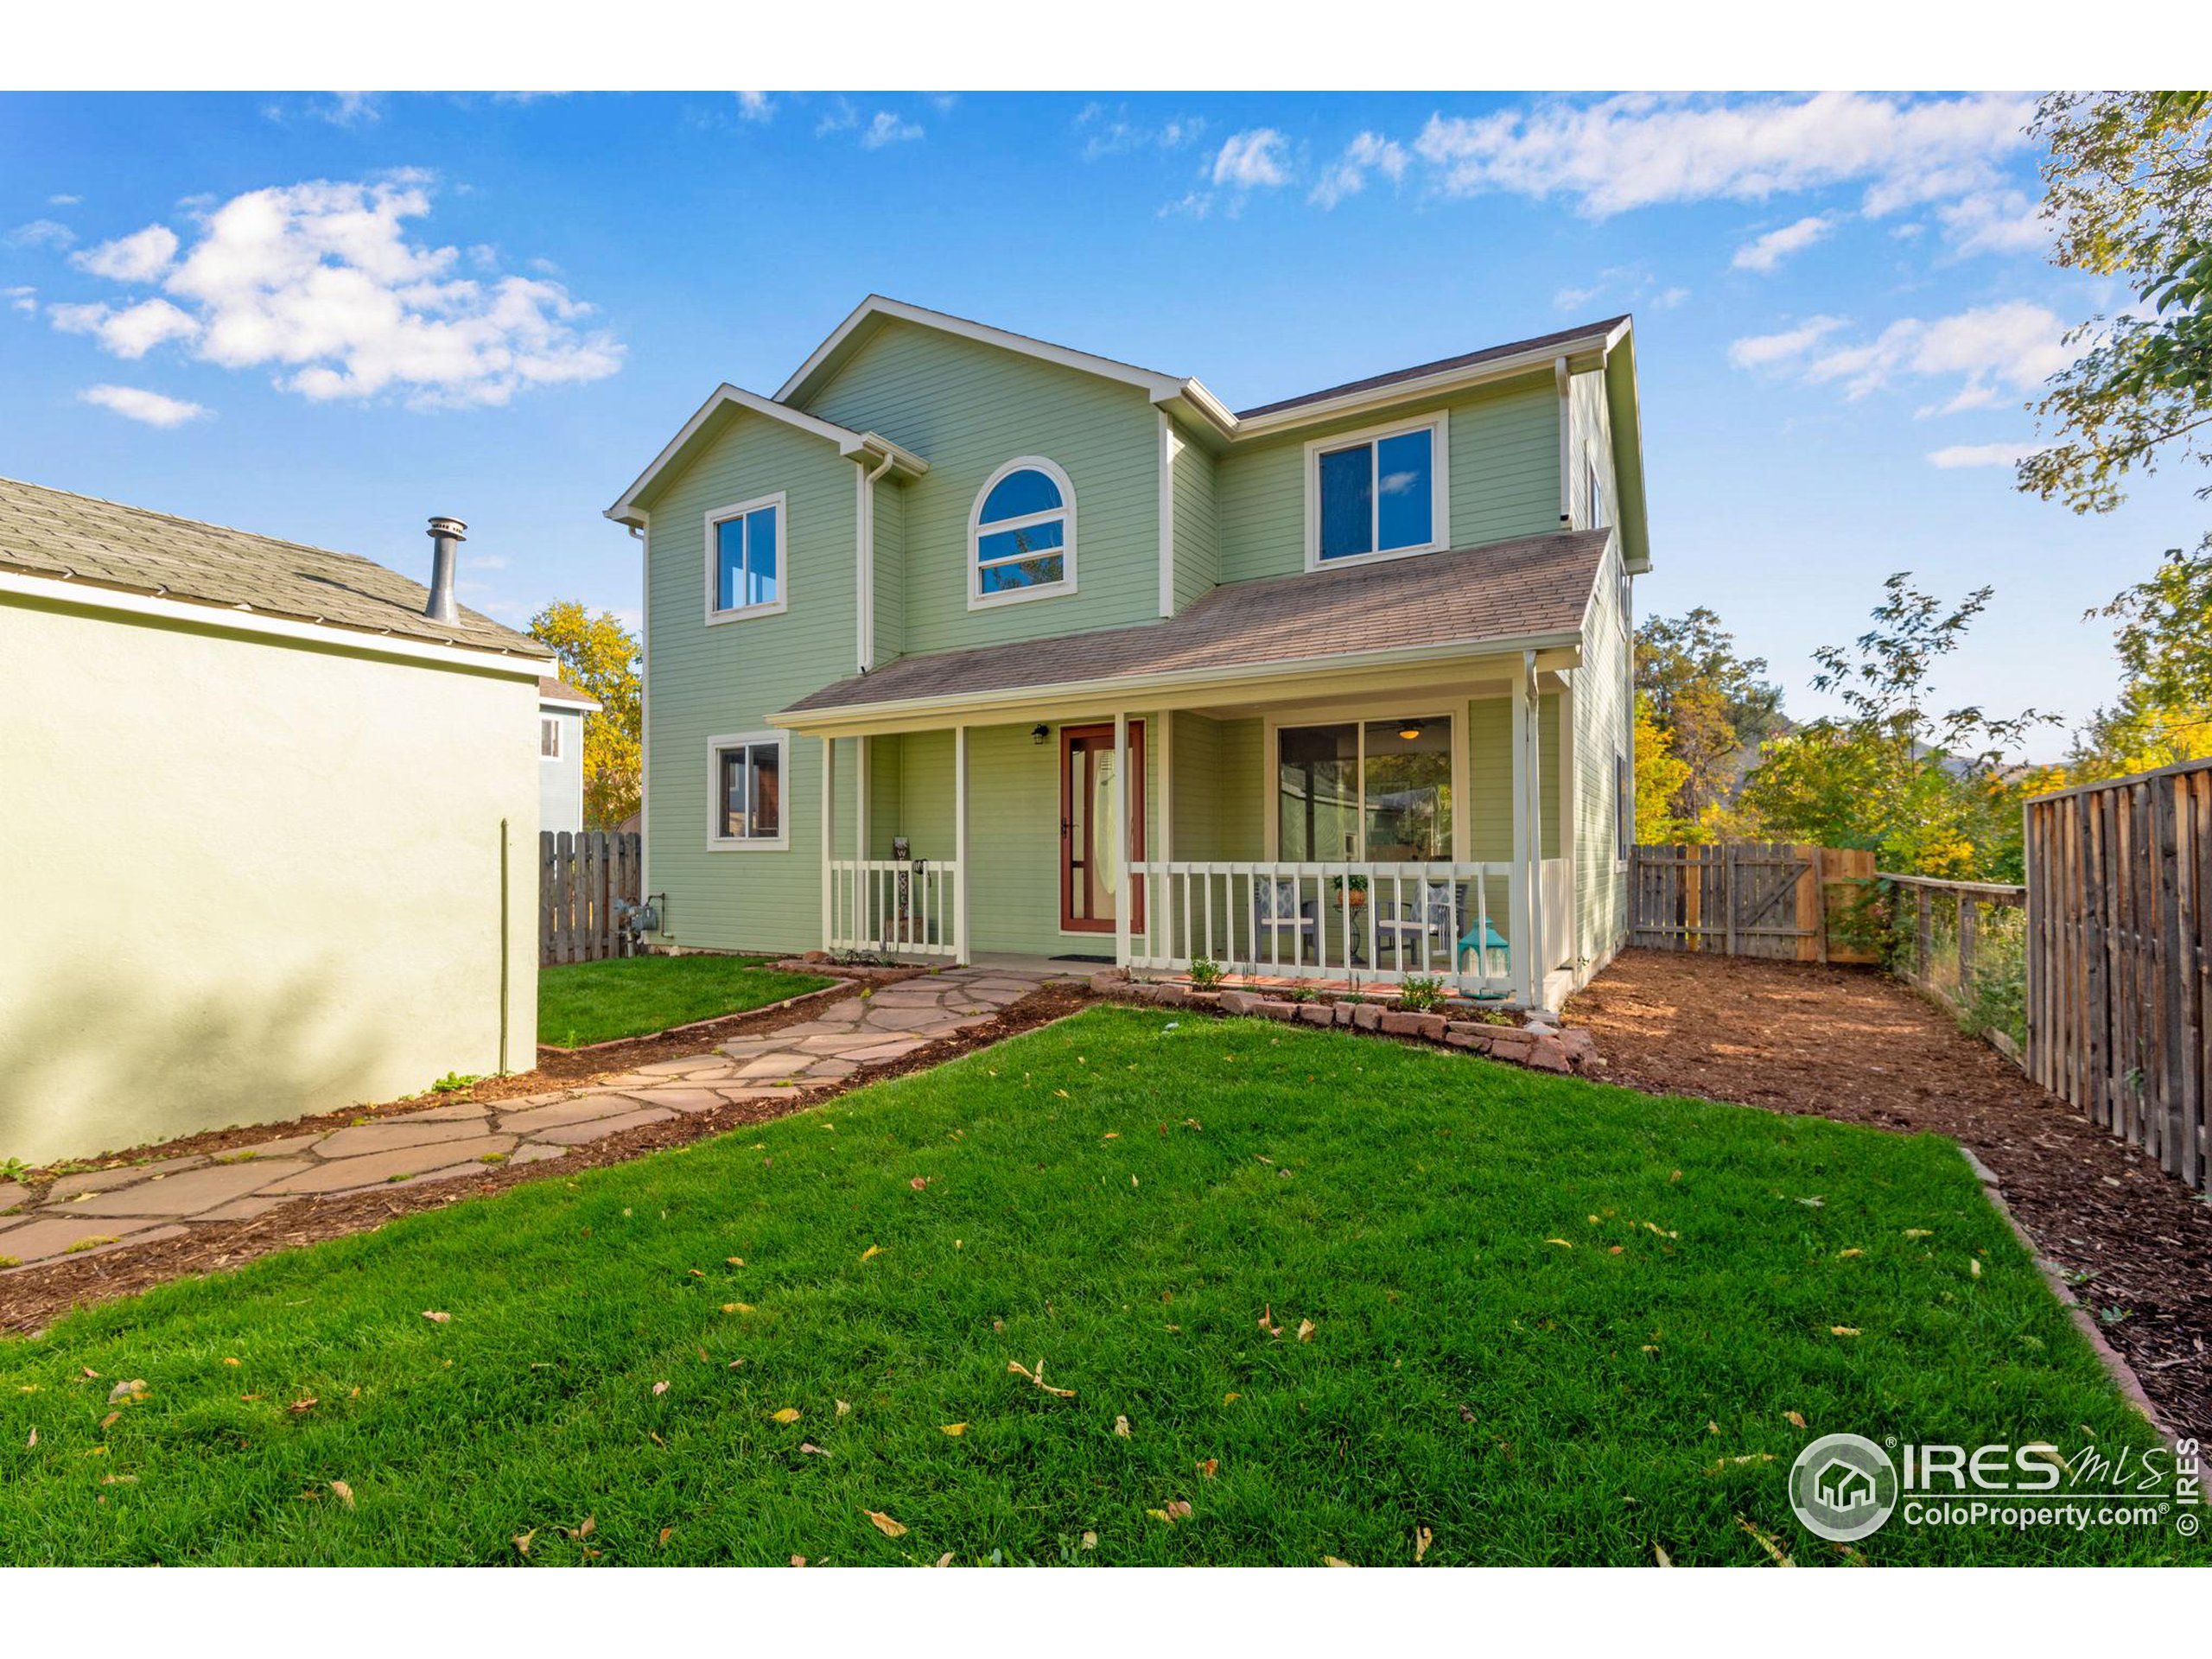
column 114, row 1209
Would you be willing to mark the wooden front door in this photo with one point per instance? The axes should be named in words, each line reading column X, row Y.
column 1090, row 873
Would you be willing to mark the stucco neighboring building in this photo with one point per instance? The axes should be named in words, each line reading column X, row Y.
column 561, row 711
column 269, row 837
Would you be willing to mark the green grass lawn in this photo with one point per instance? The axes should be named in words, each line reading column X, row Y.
column 598, row 1002
column 1119, row 1199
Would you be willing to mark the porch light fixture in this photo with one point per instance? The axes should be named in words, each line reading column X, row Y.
column 1410, row 730
column 1040, row 735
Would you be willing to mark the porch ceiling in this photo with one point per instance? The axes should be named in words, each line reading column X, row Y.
column 1530, row 593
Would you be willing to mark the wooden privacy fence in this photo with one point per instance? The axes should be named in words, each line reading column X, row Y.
column 1967, row 951
column 579, row 880
column 1748, row 898
column 2120, row 909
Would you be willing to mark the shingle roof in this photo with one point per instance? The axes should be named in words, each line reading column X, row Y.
column 1538, row 585
column 53, row 532
column 552, row 690
column 1441, row 366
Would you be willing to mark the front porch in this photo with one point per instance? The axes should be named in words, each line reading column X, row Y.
column 1359, row 840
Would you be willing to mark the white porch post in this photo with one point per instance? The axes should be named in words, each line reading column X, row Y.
column 1122, row 897
column 1532, row 804
column 829, row 842
column 1159, row 896
column 860, row 799
column 1570, row 820
column 960, row 845
column 1522, row 902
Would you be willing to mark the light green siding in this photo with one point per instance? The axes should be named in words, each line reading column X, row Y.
column 708, row 681
column 1590, row 426
column 1197, row 522
column 1503, row 454
column 890, row 571
column 1489, row 778
column 1605, row 723
column 967, row 407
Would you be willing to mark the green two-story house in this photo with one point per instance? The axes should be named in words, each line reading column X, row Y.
column 963, row 644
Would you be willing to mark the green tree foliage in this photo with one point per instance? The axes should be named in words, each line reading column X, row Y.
column 2164, row 713
column 597, row 655
column 2128, row 188
column 1928, row 791
column 1715, row 708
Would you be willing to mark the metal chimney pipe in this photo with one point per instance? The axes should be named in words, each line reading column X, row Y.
column 446, row 536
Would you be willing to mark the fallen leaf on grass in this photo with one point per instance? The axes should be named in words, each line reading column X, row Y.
column 584, row 1529
column 1919, row 1232
column 111, row 1420
column 300, row 1407
column 1016, row 1368
column 1973, row 1266
column 436, row 1316
column 1845, row 1255
column 1090, row 1540
column 521, row 1540
column 1797, row 1417
column 736, row 1260
column 884, row 1524
column 31, row 1442
column 1422, row 1538
column 1562, row 1242
column 788, row 1414
column 665, row 1534
column 1121, row 1427
column 1780, row 1556
column 130, row 1390
column 945, row 1560
column 737, row 1307
column 1843, row 1330
column 231, row 1362
column 811, row 1449
column 844, row 1407
column 918, row 1182
column 1268, row 1320
column 119, row 1480
column 1231, row 1398
column 1748, row 1457
column 872, row 1249
column 1306, row 1328
column 1177, row 1509
column 345, row 1492
column 1208, row 1468
column 798, row 1560
column 1661, row 1556
column 1334, row 1560
column 954, row 1429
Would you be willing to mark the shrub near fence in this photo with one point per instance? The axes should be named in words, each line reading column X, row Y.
column 581, row 879
column 1964, row 943
column 2119, row 957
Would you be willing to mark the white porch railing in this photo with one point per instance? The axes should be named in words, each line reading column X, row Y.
column 1385, row 923
column 897, row 907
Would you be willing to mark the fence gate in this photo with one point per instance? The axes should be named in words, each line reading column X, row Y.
column 579, row 880
column 1746, row 898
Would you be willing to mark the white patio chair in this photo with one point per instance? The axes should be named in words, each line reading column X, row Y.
column 1431, row 914
column 1277, row 911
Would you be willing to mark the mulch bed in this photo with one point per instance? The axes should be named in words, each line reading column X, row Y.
column 1853, row 1044
column 33, row 1298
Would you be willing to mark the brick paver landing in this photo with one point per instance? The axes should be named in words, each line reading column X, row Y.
column 113, row 1209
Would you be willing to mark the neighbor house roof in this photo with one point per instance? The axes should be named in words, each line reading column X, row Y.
column 1536, row 587
column 551, row 691
column 81, row 539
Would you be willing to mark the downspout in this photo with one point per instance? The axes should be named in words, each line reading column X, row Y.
column 1566, row 424
column 1533, row 804
column 864, row 570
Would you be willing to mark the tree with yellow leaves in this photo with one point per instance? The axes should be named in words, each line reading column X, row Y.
column 599, row 656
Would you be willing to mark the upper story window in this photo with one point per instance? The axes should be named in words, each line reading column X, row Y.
column 1597, row 488
column 1021, row 534
column 548, row 737
column 745, row 566
column 1380, row 493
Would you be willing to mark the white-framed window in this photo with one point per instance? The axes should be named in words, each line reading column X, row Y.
column 746, row 804
column 1381, row 494
column 548, row 737
column 1021, row 534
column 1365, row 789
column 745, row 573
column 1595, row 484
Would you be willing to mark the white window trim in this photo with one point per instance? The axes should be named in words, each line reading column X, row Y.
column 1357, row 714
column 980, row 601
column 1439, row 514
column 1623, row 825
column 783, row 598
column 1594, row 487
column 718, row 843
column 560, row 738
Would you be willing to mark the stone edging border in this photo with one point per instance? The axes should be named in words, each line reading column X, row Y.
column 2115, row 1364
column 1540, row 1047
column 838, row 990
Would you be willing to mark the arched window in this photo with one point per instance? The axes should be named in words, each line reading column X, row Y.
column 1021, row 534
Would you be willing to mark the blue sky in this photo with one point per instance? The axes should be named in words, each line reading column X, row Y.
column 327, row 316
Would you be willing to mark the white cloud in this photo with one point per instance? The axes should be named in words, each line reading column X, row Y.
column 1370, row 152
column 318, row 284
column 1639, row 148
column 1764, row 253
column 138, row 258
column 1112, row 132
column 1669, row 298
column 888, row 128
column 1992, row 351
column 1252, row 160
column 1197, row 205
column 839, row 117
column 21, row 298
column 1766, row 351
column 1573, row 299
column 42, row 233
column 487, row 560
column 150, row 408
column 2005, row 221
column 130, row 332
column 755, row 106
column 943, row 103
column 63, row 201
column 1982, row 454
